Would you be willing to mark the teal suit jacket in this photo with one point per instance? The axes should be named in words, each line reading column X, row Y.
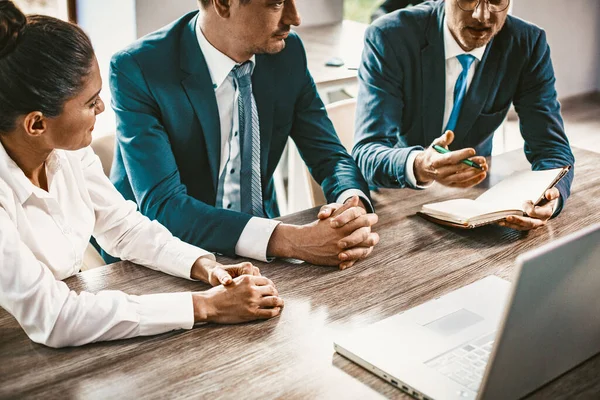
column 169, row 141
column 401, row 96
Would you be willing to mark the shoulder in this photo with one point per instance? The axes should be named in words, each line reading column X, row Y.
column 156, row 45
column 523, row 36
column 406, row 26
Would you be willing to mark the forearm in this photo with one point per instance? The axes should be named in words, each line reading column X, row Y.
column 282, row 242
column 383, row 166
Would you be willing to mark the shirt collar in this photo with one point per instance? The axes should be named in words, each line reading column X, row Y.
column 219, row 65
column 14, row 176
column 453, row 49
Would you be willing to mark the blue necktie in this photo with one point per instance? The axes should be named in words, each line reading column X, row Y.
column 250, row 183
column 460, row 90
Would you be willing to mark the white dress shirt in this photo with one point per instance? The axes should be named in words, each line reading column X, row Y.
column 43, row 237
column 255, row 237
column 453, row 70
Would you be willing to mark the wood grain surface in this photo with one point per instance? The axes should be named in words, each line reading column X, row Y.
column 292, row 356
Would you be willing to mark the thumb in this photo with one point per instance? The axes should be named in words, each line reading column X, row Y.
column 445, row 140
column 222, row 276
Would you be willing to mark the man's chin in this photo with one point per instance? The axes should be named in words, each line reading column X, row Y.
column 274, row 47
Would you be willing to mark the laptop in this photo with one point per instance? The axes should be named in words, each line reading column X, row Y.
column 493, row 339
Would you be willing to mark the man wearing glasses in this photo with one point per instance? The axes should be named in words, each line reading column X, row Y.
column 453, row 68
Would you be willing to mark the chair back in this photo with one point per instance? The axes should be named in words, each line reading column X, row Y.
column 104, row 147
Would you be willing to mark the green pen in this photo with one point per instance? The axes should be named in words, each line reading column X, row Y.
column 470, row 163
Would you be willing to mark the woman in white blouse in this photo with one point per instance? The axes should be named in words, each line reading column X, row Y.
column 54, row 196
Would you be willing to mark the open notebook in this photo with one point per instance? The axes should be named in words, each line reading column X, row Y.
column 504, row 199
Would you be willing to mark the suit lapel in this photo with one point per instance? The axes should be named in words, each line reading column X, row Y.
column 479, row 90
column 199, row 89
column 433, row 77
column 262, row 83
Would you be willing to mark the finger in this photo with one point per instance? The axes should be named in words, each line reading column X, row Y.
column 362, row 221
column 267, row 290
column 222, row 276
column 346, row 264
column 523, row 223
column 261, row 281
column 271, row 301
column 552, row 194
column 351, row 202
column 246, row 268
column 266, row 313
column 464, row 179
column 355, row 253
column 355, row 238
column 371, row 241
column 543, row 212
column 448, row 170
column 481, row 161
column 256, row 271
column 452, row 158
column 445, row 140
column 347, row 216
column 476, row 180
column 327, row 210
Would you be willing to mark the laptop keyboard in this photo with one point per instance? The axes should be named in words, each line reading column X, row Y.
column 465, row 364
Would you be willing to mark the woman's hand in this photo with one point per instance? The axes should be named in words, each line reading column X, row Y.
column 207, row 270
column 246, row 298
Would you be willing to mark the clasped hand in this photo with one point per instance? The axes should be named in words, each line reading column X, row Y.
column 341, row 236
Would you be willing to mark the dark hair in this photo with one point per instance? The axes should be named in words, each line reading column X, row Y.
column 206, row 3
column 43, row 63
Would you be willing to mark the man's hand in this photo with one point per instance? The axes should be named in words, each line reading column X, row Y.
column 247, row 298
column 339, row 240
column 208, row 270
column 537, row 216
column 447, row 169
column 352, row 251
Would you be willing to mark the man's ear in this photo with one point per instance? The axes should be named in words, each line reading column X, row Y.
column 222, row 7
column 35, row 124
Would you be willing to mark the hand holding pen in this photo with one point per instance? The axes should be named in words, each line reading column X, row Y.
column 459, row 168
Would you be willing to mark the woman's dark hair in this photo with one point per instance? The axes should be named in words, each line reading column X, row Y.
column 43, row 63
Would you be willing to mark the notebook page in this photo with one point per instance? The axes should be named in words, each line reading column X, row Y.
column 512, row 192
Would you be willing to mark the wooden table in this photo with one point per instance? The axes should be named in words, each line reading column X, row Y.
column 292, row 356
column 343, row 40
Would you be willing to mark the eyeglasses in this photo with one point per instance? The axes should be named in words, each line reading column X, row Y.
column 494, row 6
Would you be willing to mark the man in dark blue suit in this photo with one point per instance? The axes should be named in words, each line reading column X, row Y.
column 205, row 107
column 454, row 67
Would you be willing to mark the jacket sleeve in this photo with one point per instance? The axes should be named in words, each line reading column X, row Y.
column 319, row 146
column 380, row 149
column 546, row 144
column 152, row 169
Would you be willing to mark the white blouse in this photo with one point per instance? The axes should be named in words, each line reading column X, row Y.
column 43, row 236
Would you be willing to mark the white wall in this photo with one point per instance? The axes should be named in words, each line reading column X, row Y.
column 573, row 31
column 110, row 24
column 320, row 12
column 154, row 14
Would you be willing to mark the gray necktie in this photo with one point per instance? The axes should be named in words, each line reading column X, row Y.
column 250, row 183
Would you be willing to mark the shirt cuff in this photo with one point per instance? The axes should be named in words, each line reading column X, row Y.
column 409, row 171
column 255, row 237
column 177, row 258
column 166, row 312
column 346, row 194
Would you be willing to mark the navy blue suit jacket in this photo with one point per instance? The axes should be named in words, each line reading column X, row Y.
column 402, row 94
column 169, row 140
